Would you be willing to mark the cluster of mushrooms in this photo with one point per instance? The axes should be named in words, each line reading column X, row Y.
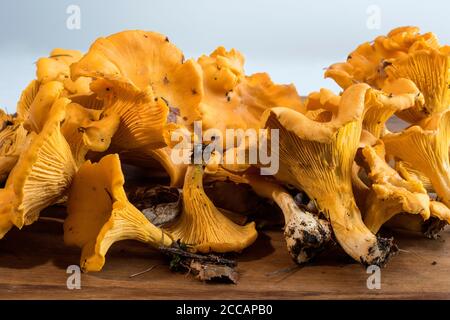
column 86, row 115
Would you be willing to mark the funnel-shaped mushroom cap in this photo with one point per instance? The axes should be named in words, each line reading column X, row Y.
column 426, row 148
column 366, row 63
column 234, row 100
column 99, row 214
column 56, row 67
column 429, row 70
column 390, row 193
column 202, row 225
column 317, row 158
column 143, row 117
column 38, row 111
column 13, row 140
column 142, row 61
column 87, row 129
column 41, row 176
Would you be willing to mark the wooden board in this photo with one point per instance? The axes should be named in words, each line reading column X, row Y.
column 33, row 265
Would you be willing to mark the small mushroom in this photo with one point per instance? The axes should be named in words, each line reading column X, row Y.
column 146, row 157
column 36, row 114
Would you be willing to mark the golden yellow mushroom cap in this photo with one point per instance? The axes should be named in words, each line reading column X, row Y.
column 367, row 62
column 429, row 70
column 233, row 100
column 42, row 174
column 99, row 214
column 142, row 61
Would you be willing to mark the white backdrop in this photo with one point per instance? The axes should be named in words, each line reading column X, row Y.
column 291, row 40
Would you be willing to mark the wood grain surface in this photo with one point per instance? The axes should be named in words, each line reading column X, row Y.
column 33, row 265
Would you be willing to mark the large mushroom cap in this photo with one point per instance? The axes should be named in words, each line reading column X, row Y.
column 429, row 70
column 99, row 214
column 233, row 100
column 142, row 61
column 42, row 174
column 367, row 62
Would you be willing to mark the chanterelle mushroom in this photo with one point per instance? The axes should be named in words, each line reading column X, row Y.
column 366, row 63
column 56, row 67
column 428, row 68
column 140, row 76
column 99, row 214
column 234, row 100
column 35, row 115
column 390, row 193
column 202, row 226
column 87, row 130
column 426, row 147
column 306, row 234
column 13, row 140
column 317, row 157
column 379, row 105
column 41, row 176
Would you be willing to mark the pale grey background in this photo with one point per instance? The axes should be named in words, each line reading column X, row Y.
column 291, row 40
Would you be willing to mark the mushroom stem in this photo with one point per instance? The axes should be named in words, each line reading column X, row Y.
column 128, row 223
column 306, row 235
column 361, row 245
column 202, row 225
